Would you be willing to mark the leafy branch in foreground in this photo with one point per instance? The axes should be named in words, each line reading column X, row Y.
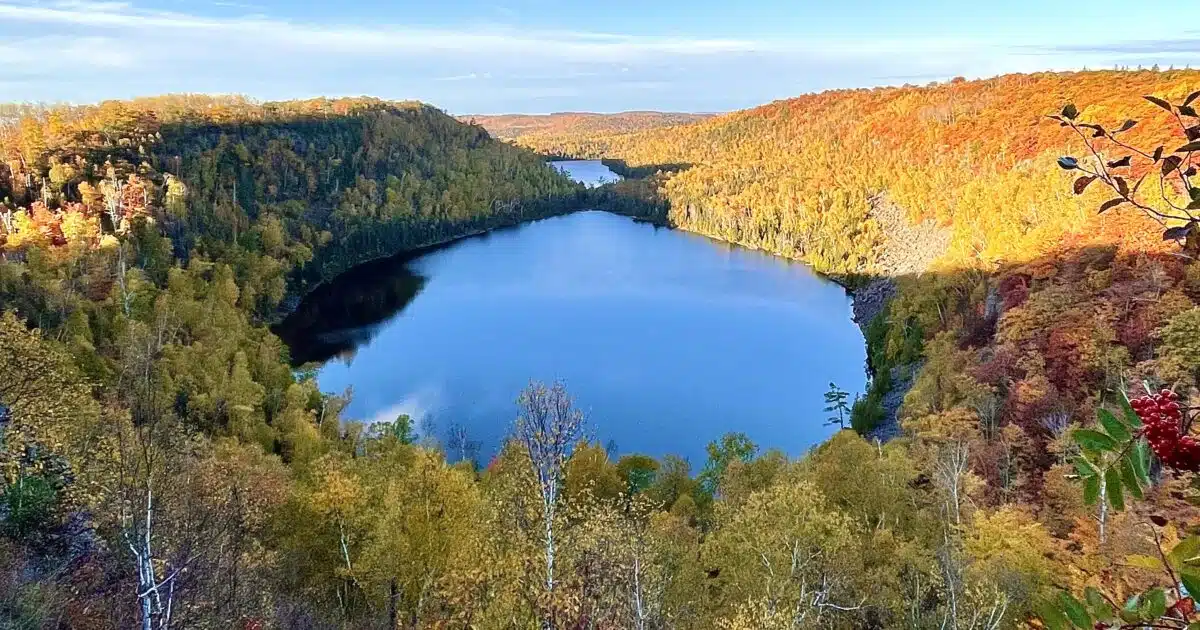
column 1175, row 201
column 1115, row 458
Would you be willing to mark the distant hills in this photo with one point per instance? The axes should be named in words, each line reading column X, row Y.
column 509, row 126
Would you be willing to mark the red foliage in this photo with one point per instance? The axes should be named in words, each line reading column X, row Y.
column 1136, row 332
column 996, row 367
column 1014, row 290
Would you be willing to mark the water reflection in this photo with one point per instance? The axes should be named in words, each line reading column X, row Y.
column 340, row 316
column 666, row 339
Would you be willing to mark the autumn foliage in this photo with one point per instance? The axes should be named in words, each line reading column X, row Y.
column 164, row 461
column 1056, row 295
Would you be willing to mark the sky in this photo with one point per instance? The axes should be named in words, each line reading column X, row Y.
column 540, row 56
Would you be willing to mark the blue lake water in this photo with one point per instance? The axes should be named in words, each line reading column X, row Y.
column 591, row 172
column 667, row 340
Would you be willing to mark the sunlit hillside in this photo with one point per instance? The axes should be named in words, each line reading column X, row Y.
column 800, row 176
column 509, row 126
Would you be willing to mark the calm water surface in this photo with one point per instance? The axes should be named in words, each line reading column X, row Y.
column 666, row 339
column 591, row 172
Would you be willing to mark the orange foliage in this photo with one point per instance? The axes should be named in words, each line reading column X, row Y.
column 977, row 156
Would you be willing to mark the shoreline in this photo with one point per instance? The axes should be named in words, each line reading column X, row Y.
column 869, row 295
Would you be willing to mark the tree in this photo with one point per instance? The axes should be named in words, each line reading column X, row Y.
column 400, row 430
column 786, row 558
column 731, row 447
column 425, row 531
column 835, row 403
column 548, row 428
column 1115, row 460
column 638, row 471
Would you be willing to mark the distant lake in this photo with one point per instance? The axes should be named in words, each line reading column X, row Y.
column 590, row 172
column 667, row 340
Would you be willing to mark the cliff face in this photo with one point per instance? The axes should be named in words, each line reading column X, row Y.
column 906, row 249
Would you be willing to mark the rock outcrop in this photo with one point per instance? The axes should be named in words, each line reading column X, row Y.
column 908, row 249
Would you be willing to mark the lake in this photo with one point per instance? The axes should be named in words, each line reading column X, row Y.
column 667, row 340
column 591, row 173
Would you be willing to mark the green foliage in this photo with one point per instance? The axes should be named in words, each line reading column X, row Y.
column 721, row 453
column 590, row 471
column 29, row 505
column 835, row 404
column 867, row 411
column 1180, row 348
column 1115, row 459
column 151, row 368
column 1112, row 462
column 638, row 471
column 399, row 430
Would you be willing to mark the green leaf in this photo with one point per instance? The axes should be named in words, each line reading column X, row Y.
column 1094, row 440
column 1141, row 461
column 1192, row 584
column 1131, row 417
column 1154, row 604
column 1185, row 552
column 1070, row 112
column 1112, row 489
column 1112, row 426
column 1052, row 616
column 1189, row 147
column 1085, row 467
column 1129, row 477
column 1098, row 605
column 1091, row 490
column 1076, row 612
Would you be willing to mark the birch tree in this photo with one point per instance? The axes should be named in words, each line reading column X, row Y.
column 548, row 427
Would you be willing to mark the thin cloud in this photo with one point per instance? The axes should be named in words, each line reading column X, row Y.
column 84, row 50
column 1189, row 45
column 465, row 77
column 497, row 39
column 89, row 5
column 384, row 39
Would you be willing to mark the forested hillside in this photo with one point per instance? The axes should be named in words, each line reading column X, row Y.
column 800, row 177
column 164, row 465
column 509, row 126
column 1049, row 298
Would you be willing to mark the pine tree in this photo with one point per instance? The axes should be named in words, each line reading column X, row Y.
column 835, row 403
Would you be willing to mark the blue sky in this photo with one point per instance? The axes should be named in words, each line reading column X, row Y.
column 535, row 56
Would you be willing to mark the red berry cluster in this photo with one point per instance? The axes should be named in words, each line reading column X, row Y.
column 1163, row 419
